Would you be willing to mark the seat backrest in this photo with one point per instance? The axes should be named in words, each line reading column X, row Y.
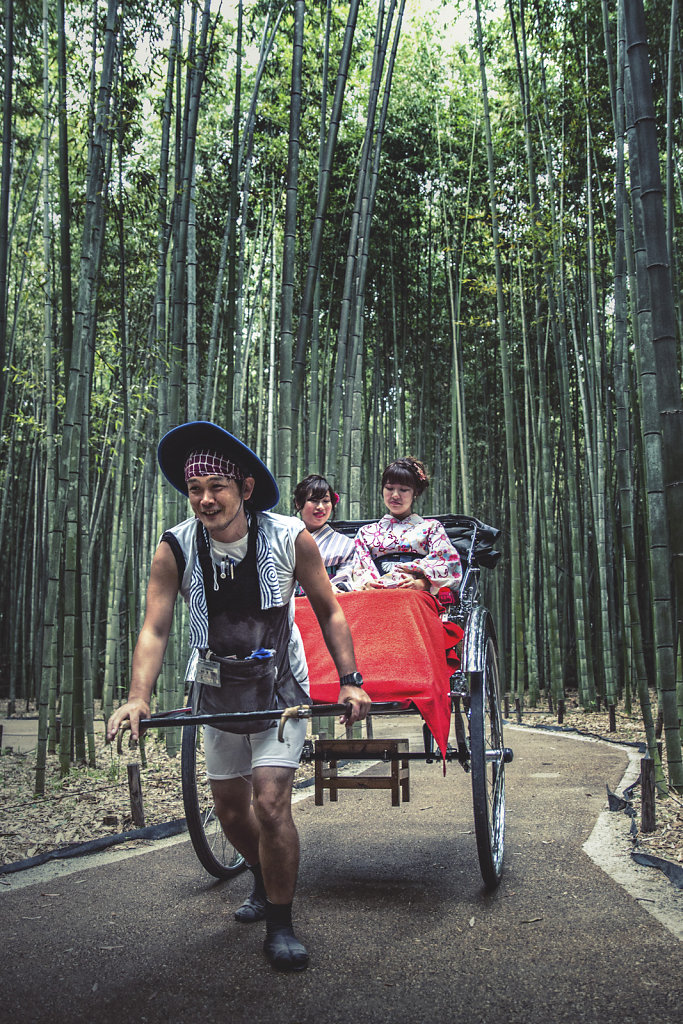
column 460, row 530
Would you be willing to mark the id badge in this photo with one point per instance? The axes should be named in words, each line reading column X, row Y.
column 208, row 672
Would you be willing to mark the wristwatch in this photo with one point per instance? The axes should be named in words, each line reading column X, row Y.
column 352, row 679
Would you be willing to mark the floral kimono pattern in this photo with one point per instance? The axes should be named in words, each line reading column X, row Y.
column 435, row 558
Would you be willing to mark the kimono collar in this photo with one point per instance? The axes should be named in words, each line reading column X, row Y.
column 322, row 531
column 413, row 519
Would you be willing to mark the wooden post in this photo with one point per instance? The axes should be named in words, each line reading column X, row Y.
column 355, row 731
column 1, row 727
column 326, row 727
column 506, row 702
column 550, row 702
column 135, row 791
column 560, row 712
column 612, row 718
column 518, row 709
column 647, row 795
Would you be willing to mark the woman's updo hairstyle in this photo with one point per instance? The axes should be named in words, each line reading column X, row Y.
column 407, row 471
column 315, row 487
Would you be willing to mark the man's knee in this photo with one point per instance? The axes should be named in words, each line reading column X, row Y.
column 228, row 814
column 231, row 801
column 273, row 798
column 273, row 813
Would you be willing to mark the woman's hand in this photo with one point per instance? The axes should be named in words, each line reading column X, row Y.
column 408, row 582
column 412, row 582
column 374, row 585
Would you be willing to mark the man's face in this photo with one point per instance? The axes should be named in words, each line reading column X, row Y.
column 215, row 500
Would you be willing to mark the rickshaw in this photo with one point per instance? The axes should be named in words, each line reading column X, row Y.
column 475, row 699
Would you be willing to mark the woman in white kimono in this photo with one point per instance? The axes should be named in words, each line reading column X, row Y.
column 315, row 501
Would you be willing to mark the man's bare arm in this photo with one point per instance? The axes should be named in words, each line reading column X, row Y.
column 150, row 648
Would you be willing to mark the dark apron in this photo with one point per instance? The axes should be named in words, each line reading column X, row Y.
column 238, row 626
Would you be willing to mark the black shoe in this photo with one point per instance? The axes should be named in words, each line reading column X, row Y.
column 253, row 909
column 284, row 951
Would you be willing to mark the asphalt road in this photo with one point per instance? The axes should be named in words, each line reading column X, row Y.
column 391, row 906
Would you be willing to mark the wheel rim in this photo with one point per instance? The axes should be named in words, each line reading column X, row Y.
column 488, row 764
column 494, row 758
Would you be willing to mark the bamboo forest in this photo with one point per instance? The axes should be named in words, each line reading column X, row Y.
column 347, row 231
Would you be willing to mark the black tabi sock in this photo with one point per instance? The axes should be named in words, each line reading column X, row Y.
column 259, row 887
column 278, row 915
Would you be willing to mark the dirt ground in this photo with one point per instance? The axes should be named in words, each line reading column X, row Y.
column 88, row 803
column 92, row 802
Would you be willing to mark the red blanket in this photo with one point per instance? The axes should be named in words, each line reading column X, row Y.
column 400, row 645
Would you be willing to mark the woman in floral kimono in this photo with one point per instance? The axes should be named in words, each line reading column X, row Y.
column 402, row 550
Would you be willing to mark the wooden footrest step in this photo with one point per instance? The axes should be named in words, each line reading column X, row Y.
column 330, row 752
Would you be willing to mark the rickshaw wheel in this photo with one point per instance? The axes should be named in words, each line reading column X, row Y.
column 214, row 850
column 488, row 766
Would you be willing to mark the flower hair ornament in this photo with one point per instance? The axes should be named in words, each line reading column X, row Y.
column 414, row 466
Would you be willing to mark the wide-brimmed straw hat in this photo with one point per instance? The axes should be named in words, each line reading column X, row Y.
column 177, row 444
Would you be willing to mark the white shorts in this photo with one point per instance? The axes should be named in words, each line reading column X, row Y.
column 233, row 756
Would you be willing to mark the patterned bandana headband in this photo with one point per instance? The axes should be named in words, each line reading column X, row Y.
column 203, row 463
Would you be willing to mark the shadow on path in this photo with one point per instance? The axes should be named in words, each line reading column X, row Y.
column 391, row 905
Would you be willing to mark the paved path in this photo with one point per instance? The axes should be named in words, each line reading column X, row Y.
column 19, row 734
column 390, row 904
